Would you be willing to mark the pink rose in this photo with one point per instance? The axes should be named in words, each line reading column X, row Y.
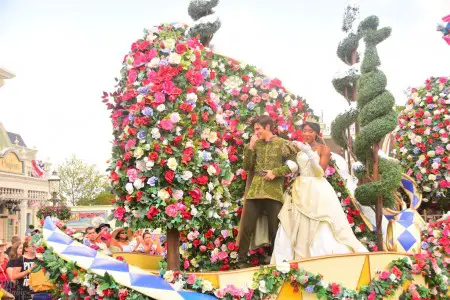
column 119, row 212
column 132, row 175
column 160, row 98
column 166, row 124
column 244, row 97
column 223, row 255
column 442, row 79
column 384, row 275
column 256, row 99
column 440, row 150
column 191, row 279
column 186, row 264
column 130, row 144
column 171, row 210
column 202, row 248
column 265, row 96
column 168, row 87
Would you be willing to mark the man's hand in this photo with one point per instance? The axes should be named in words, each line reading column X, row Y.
column 269, row 175
column 253, row 140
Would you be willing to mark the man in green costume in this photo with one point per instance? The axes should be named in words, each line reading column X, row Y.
column 265, row 158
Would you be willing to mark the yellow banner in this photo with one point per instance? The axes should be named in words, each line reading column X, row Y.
column 10, row 163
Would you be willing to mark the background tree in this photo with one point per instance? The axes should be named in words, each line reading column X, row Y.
column 104, row 198
column 80, row 181
column 206, row 22
column 345, row 81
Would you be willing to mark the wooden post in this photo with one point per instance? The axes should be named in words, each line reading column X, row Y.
column 379, row 204
column 173, row 249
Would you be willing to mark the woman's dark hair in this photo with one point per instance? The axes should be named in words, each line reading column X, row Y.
column 314, row 126
column 13, row 252
column 263, row 120
column 26, row 245
column 146, row 233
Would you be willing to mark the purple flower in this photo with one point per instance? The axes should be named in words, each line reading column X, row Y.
column 204, row 72
column 143, row 90
column 251, row 105
column 163, row 62
column 131, row 117
column 152, row 181
column 425, row 245
column 309, row 289
column 147, row 111
column 141, row 135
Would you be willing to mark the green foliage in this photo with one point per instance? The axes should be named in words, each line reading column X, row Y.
column 104, row 198
column 80, row 181
column 340, row 125
column 377, row 117
column 345, row 48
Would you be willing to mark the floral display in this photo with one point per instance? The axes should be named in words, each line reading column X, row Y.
column 445, row 28
column 60, row 212
column 436, row 239
column 422, row 138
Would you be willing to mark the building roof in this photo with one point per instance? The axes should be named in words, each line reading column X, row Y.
column 14, row 136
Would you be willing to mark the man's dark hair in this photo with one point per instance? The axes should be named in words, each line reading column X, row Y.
column 263, row 120
column 90, row 228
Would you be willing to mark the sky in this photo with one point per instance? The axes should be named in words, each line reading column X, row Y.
column 66, row 53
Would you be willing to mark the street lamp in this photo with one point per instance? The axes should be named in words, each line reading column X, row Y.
column 53, row 186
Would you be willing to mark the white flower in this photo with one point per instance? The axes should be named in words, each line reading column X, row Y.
column 186, row 175
column 393, row 277
column 178, row 285
column 211, row 170
column 194, row 211
column 294, row 103
column 192, row 97
column 169, row 44
column 208, row 197
column 177, row 194
column 163, row 194
column 273, row 94
column 284, row 267
column 149, row 163
column 161, row 108
column 212, row 137
column 172, row 163
column 189, row 144
column 169, row 276
column 155, row 133
column 253, row 91
column 287, row 99
column 174, row 58
column 154, row 62
column 151, row 37
column 233, row 82
column 138, row 184
column 129, row 188
column 207, row 286
column 432, row 177
column 140, row 98
column 175, row 118
column 138, row 152
column 431, row 153
column 262, row 287
column 233, row 254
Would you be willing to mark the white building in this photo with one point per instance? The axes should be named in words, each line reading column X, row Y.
column 23, row 185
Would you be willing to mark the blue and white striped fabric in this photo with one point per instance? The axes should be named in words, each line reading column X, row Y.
column 124, row 274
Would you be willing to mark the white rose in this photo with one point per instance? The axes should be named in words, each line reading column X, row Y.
column 243, row 65
column 200, row 89
column 189, row 144
column 169, row 44
column 294, row 103
column 138, row 184
column 273, row 94
column 154, row 62
column 208, row 197
column 169, row 276
column 138, row 152
column 161, row 108
column 140, row 98
column 211, row 170
column 393, row 277
column 178, row 194
column 207, row 286
column 194, row 211
column 149, row 163
column 178, row 285
column 284, row 267
column 253, row 91
column 155, row 133
column 129, row 187
column 233, row 254
column 174, row 58
column 212, row 137
column 175, row 118
column 186, row 175
column 262, row 287
column 431, row 153
column 151, row 37
column 287, row 99
column 163, row 194
column 172, row 163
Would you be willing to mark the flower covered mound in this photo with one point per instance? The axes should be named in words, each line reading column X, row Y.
column 181, row 116
column 422, row 138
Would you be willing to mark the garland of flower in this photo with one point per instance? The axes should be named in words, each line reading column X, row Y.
column 73, row 282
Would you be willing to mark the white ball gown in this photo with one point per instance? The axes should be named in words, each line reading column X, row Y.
column 312, row 221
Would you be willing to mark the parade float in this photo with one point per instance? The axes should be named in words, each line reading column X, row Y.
column 181, row 115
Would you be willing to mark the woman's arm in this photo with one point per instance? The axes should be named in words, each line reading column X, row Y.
column 16, row 274
column 325, row 156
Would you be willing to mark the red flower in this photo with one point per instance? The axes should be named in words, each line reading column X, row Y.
column 40, row 249
column 202, row 180
column 153, row 156
column 177, row 140
column 108, row 292
column 196, row 195
column 169, row 176
column 335, row 289
column 209, row 234
column 152, row 212
column 181, row 48
column 166, row 124
column 396, row 271
column 231, row 246
column 139, row 195
column 196, row 243
column 119, row 164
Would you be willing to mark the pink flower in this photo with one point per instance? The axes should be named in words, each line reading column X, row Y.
column 119, row 212
column 171, row 210
column 214, row 257
column 223, row 255
column 384, row 275
column 191, row 279
column 160, row 98
column 186, row 264
column 440, row 150
column 442, row 79
column 168, row 87
column 224, row 233
column 202, row 248
column 130, row 144
column 244, row 97
column 132, row 175
column 166, row 124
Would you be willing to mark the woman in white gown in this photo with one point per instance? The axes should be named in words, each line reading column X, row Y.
column 312, row 221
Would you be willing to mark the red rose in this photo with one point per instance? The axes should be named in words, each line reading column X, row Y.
column 177, row 139
column 209, row 234
column 231, row 246
column 153, row 156
column 350, row 219
column 139, row 195
column 186, row 215
column 180, row 48
column 202, row 180
column 205, row 145
column 196, row 195
column 335, row 289
column 196, row 243
column 64, row 277
column 40, row 249
column 152, row 212
column 75, row 273
column 168, row 150
column 127, row 156
column 169, row 176
column 191, row 133
column 224, row 268
column 210, row 245
column 108, row 292
column 119, row 164
column 194, row 118
column 114, row 177
column 396, row 271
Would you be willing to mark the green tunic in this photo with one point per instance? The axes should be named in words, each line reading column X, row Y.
column 268, row 155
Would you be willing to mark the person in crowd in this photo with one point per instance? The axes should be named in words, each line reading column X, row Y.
column 122, row 238
column 14, row 240
column 93, row 241
column 148, row 244
column 4, row 279
column 21, row 270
